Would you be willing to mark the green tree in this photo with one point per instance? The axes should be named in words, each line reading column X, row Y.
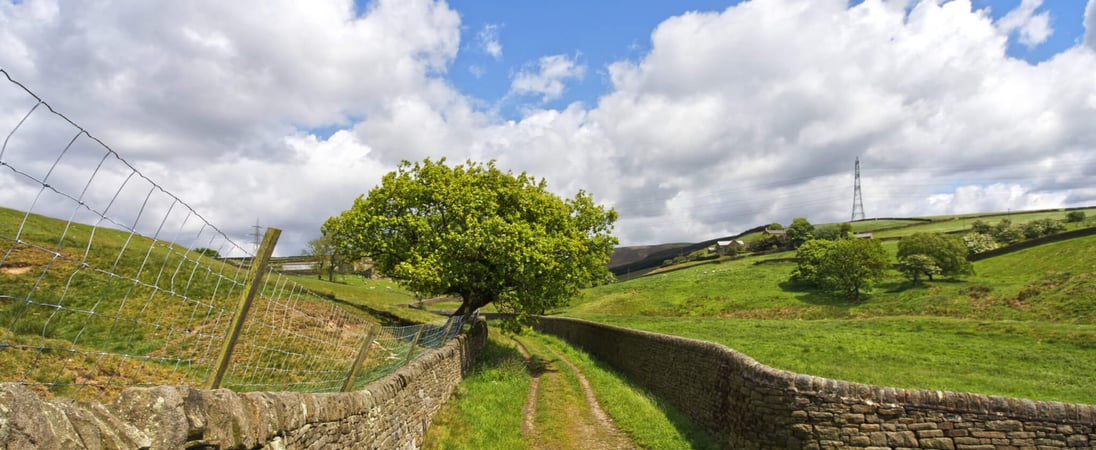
column 980, row 226
column 810, row 256
column 800, row 231
column 847, row 266
column 913, row 266
column 979, row 242
column 479, row 233
column 326, row 255
column 834, row 232
column 1042, row 227
column 948, row 252
column 1008, row 235
column 852, row 266
column 1050, row 226
column 1075, row 216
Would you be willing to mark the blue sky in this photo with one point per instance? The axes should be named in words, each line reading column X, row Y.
column 593, row 33
column 693, row 119
column 598, row 33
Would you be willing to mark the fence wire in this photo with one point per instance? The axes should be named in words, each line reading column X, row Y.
column 107, row 280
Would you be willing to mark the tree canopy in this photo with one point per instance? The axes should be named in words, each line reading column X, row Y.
column 800, row 231
column 479, row 233
column 326, row 256
column 949, row 253
column 846, row 266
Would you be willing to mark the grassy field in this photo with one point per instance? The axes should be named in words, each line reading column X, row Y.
column 382, row 299
column 100, row 309
column 1023, row 325
column 1037, row 360
column 945, row 224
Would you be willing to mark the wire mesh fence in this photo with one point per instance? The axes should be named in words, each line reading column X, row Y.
column 107, row 280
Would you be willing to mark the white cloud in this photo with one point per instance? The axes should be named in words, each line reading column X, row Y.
column 731, row 120
column 488, row 40
column 757, row 113
column 1033, row 29
column 206, row 93
column 995, row 197
column 547, row 77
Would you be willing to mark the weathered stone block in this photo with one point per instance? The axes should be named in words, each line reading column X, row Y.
column 901, row 439
column 938, row 443
column 1004, row 425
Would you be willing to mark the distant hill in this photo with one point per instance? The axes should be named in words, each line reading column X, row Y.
column 643, row 257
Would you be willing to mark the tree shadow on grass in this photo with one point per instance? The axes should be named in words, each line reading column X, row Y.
column 893, row 287
column 815, row 296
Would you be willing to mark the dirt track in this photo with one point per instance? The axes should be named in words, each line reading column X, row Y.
column 561, row 411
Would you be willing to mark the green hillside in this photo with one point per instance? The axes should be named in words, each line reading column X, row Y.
column 1023, row 325
column 102, row 308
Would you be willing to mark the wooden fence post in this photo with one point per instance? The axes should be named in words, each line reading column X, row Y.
column 448, row 326
column 411, row 351
column 254, row 280
column 353, row 375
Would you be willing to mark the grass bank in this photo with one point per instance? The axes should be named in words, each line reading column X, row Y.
column 1036, row 360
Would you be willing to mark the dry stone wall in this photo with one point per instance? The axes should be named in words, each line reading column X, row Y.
column 391, row 413
column 751, row 406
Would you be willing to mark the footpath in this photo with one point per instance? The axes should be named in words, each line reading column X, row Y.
column 561, row 411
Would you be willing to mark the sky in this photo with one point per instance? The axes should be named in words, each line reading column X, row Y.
column 693, row 119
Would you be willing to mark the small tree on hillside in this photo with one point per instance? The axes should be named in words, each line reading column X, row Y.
column 846, row 266
column 1075, row 216
column 914, row 266
column 326, row 256
column 947, row 252
column 799, row 231
column 834, row 232
column 810, row 255
column 1009, row 235
column 980, row 226
column 852, row 266
column 978, row 242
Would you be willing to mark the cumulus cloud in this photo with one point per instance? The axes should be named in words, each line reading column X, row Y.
column 547, row 77
column 1033, row 28
column 733, row 119
column 925, row 95
column 204, row 94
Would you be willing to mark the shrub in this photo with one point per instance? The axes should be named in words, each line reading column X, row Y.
column 1009, row 235
column 1075, row 216
column 979, row 242
column 981, row 227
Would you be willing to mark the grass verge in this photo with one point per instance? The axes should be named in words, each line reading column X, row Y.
column 1035, row 360
column 649, row 422
column 485, row 411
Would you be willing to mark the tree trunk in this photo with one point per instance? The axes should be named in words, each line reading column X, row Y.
column 468, row 306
